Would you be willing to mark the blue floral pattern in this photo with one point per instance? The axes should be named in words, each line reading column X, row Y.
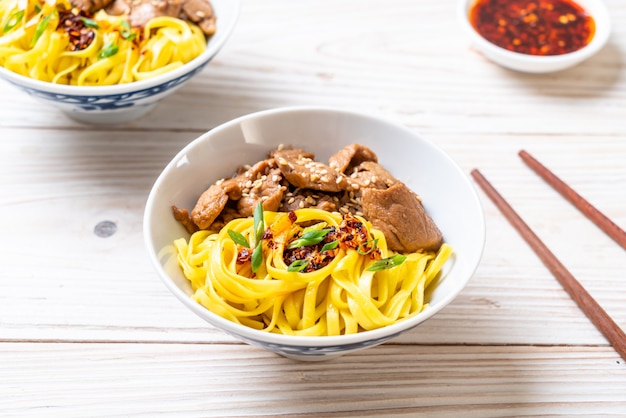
column 109, row 101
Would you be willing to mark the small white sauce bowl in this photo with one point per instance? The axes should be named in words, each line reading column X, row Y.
column 448, row 195
column 121, row 103
column 535, row 63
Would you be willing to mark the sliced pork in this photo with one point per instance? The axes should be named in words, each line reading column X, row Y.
column 399, row 214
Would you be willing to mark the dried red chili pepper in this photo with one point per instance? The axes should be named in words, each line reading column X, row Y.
column 77, row 25
column 539, row 27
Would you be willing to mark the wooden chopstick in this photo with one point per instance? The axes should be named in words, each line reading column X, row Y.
column 577, row 292
column 590, row 211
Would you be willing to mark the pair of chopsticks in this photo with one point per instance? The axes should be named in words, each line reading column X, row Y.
column 577, row 292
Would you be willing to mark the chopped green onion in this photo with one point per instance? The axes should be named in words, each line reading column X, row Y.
column 298, row 265
column 259, row 224
column 387, row 263
column 259, row 229
column 37, row 8
column 366, row 252
column 330, row 246
column 126, row 32
column 13, row 21
column 41, row 27
column 309, row 238
column 257, row 257
column 108, row 50
column 238, row 238
column 90, row 23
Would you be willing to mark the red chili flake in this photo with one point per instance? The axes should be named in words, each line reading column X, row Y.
column 540, row 27
column 73, row 22
column 244, row 255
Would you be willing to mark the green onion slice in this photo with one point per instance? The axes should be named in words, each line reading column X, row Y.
column 387, row 263
column 309, row 238
column 238, row 238
column 108, row 50
column 259, row 228
column 257, row 257
column 361, row 251
column 90, row 23
column 126, row 32
column 13, row 21
column 259, row 224
column 41, row 27
column 298, row 265
column 330, row 246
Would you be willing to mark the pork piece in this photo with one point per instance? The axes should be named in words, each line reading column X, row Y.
column 142, row 11
column 300, row 198
column 266, row 188
column 90, row 6
column 290, row 154
column 303, row 172
column 371, row 174
column 201, row 13
column 399, row 214
column 118, row 7
column 227, row 215
column 182, row 216
column 351, row 156
column 213, row 200
column 262, row 181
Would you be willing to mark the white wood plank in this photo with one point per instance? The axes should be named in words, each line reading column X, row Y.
column 237, row 380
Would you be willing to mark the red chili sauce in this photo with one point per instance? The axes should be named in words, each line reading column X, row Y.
column 535, row 27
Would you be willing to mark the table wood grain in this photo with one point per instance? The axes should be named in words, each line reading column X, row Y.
column 87, row 328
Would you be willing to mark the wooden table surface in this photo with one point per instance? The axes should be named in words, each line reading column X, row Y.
column 87, row 328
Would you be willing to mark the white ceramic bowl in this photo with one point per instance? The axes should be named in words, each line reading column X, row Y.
column 126, row 102
column 448, row 196
column 540, row 64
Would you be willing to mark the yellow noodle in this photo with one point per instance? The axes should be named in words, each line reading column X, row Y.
column 167, row 43
column 341, row 298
